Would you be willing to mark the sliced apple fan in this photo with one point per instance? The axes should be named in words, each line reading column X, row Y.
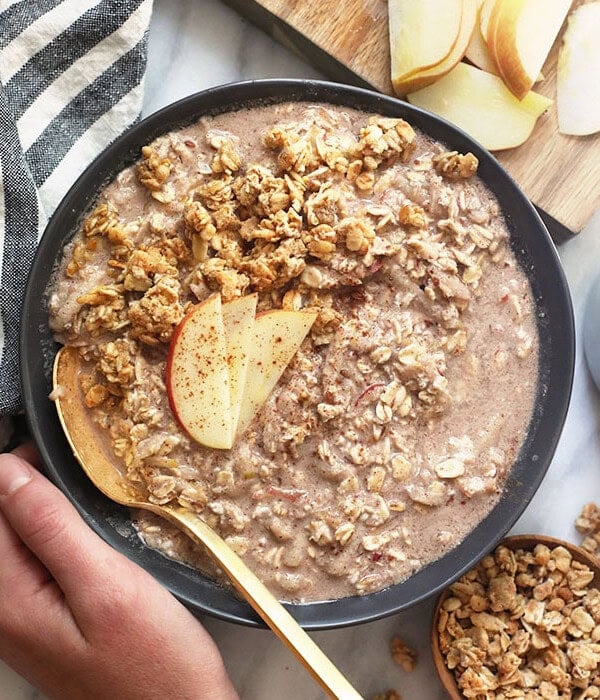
column 225, row 360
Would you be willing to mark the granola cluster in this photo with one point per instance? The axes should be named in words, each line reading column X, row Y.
column 454, row 165
column 153, row 172
column 405, row 656
column 588, row 524
column 143, row 296
column 524, row 624
column 388, row 695
column 258, row 227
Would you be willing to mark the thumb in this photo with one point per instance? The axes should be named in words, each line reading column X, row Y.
column 49, row 525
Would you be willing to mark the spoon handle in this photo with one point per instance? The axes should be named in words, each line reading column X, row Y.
column 325, row 673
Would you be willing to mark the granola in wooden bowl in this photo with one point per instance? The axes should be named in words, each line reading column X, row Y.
column 525, row 623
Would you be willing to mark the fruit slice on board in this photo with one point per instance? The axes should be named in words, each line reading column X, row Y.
column 578, row 79
column 477, row 51
column 422, row 35
column 521, row 38
column 482, row 105
column 429, row 76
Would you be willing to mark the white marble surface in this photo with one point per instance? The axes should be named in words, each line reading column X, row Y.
column 195, row 44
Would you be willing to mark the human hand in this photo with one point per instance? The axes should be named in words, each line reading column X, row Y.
column 78, row 619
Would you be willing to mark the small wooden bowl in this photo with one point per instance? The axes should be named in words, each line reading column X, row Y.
column 526, row 542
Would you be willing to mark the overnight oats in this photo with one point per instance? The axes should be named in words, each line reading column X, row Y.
column 395, row 423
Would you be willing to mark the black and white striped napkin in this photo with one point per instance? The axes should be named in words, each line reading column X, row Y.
column 71, row 80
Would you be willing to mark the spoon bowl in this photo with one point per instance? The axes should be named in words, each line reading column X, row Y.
column 96, row 462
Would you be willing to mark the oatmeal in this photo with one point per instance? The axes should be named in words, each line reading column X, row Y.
column 391, row 432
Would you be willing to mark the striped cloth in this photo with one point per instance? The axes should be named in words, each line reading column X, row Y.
column 71, row 79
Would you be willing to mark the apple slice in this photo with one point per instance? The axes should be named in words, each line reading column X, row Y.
column 477, row 51
column 197, row 375
column 488, row 23
column 277, row 335
column 481, row 104
column 238, row 321
column 428, row 76
column 578, row 84
column 522, row 37
column 485, row 14
column 422, row 34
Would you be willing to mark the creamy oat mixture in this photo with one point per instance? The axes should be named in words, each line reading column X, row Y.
column 390, row 435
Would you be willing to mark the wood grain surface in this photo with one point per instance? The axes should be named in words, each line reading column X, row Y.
column 348, row 40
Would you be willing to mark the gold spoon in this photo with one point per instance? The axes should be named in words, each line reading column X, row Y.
column 96, row 462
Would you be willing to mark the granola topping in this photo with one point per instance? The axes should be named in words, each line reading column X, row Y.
column 379, row 449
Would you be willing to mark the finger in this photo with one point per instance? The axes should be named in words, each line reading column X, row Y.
column 33, row 611
column 21, row 573
column 51, row 528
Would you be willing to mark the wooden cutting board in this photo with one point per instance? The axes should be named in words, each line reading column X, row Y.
column 348, row 41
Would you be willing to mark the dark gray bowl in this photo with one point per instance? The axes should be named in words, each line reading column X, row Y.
column 532, row 246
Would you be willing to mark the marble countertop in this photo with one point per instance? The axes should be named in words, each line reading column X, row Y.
column 195, row 45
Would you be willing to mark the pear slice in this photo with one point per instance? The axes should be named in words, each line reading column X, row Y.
column 422, row 34
column 482, row 105
column 197, row 375
column 276, row 336
column 428, row 76
column 477, row 51
column 522, row 37
column 238, row 321
column 486, row 9
column 578, row 82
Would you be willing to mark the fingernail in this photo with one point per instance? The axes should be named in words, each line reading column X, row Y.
column 14, row 473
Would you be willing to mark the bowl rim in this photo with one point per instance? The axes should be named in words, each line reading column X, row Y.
column 541, row 265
